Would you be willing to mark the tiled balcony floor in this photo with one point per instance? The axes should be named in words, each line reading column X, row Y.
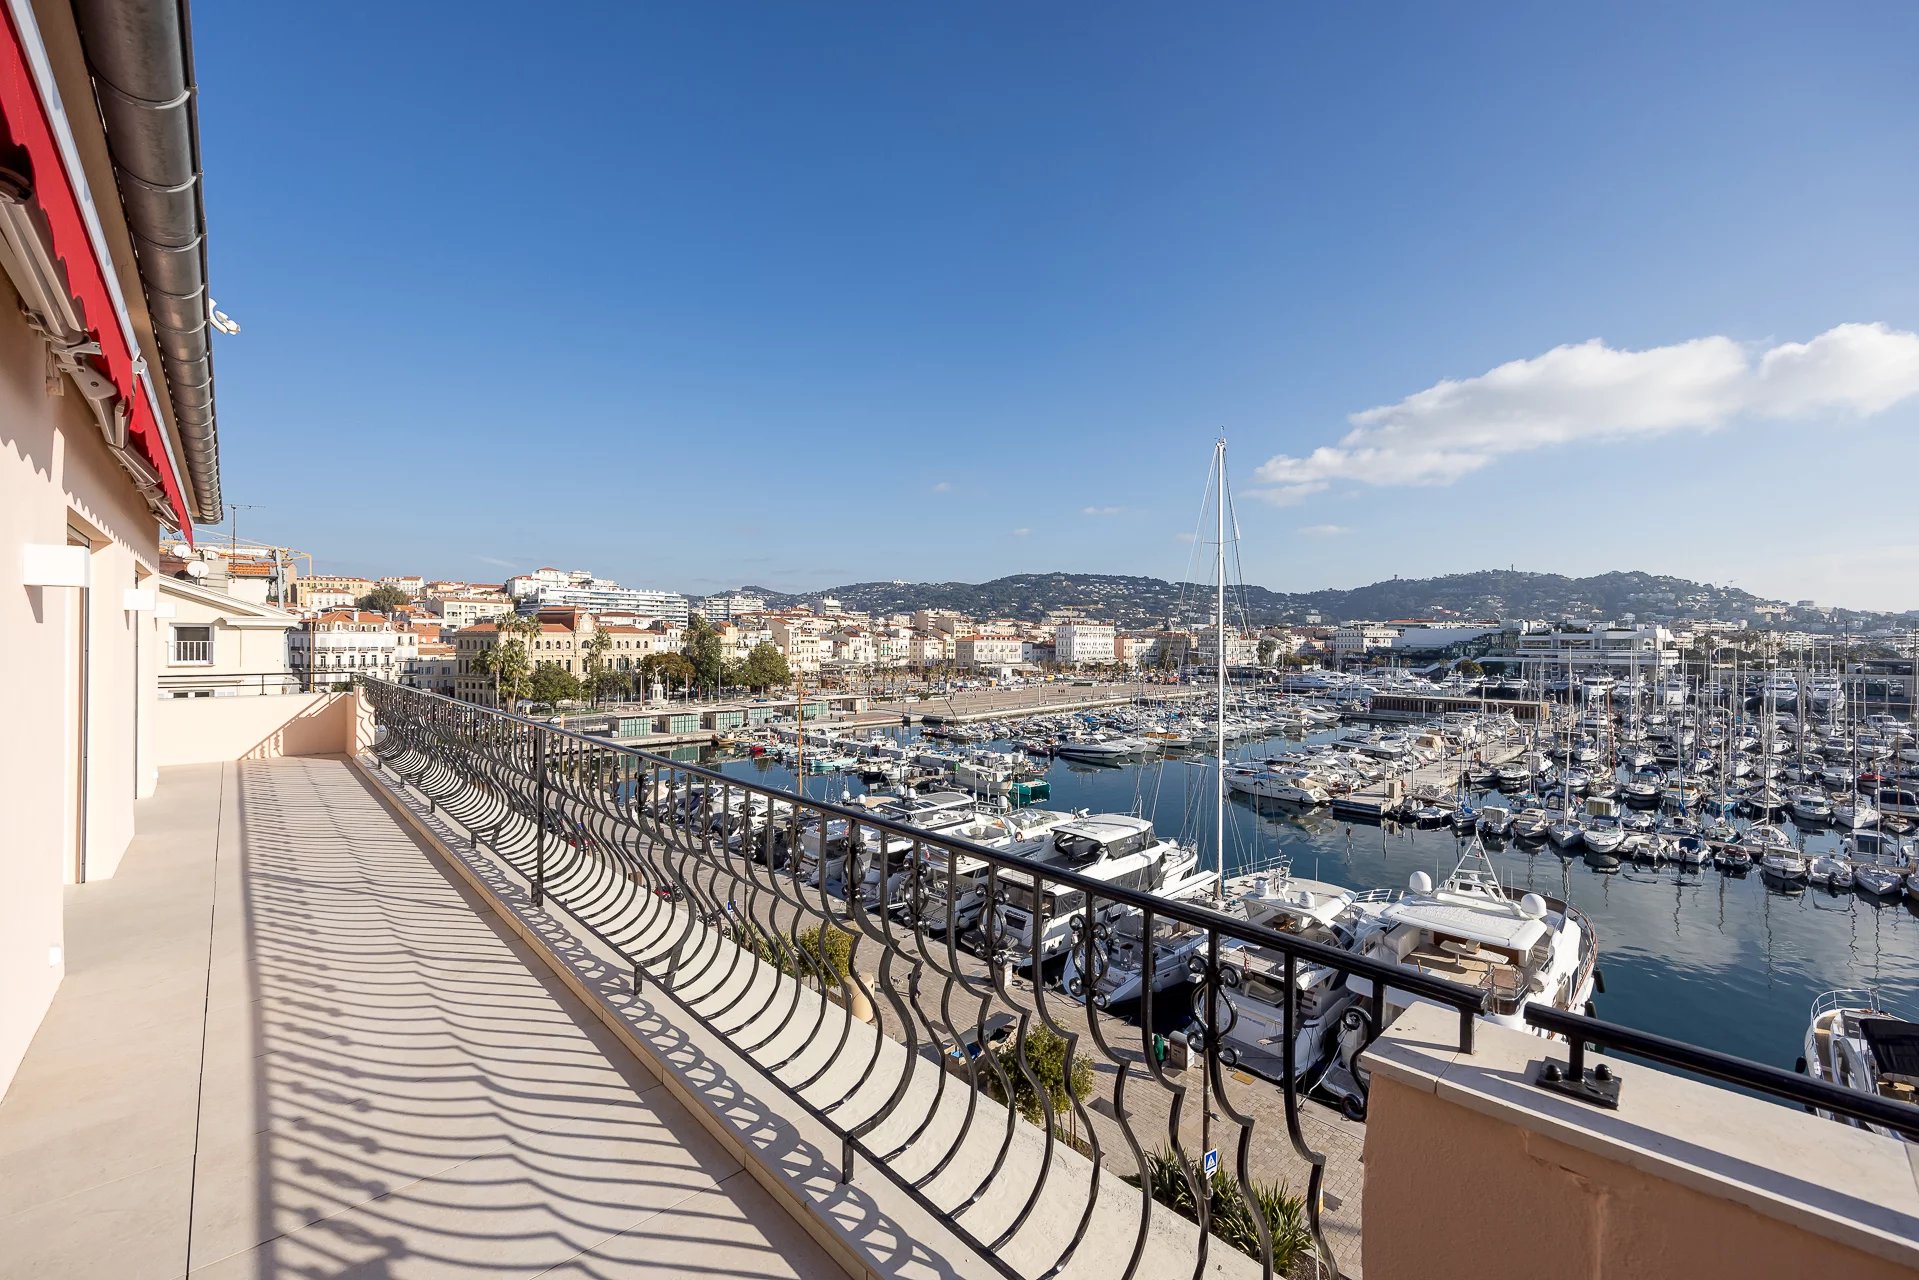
column 289, row 1045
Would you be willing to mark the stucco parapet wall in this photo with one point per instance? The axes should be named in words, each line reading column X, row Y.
column 1846, row 1184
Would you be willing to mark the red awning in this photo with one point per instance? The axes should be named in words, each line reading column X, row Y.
column 28, row 125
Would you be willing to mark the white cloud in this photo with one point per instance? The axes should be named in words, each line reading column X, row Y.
column 943, row 487
column 1187, row 538
column 1324, row 530
column 1021, row 533
column 1591, row 391
column 1100, row 511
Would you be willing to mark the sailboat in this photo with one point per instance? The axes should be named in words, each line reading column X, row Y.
column 1111, row 969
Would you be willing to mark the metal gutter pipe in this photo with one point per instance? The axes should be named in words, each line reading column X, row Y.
column 140, row 53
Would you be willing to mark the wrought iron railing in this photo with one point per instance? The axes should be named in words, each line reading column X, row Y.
column 1820, row 1096
column 782, row 925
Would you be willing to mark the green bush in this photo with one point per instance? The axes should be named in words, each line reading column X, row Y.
column 834, row 943
column 800, row 956
column 1232, row 1218
column 1046, row 1055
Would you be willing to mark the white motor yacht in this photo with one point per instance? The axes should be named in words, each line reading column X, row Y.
column 1603, row 834
column 1101, row 750
column 1855, row 1042
column 1785, row 867
column 1471, row 930
column 1118, row 849
column 952, row 889
column 1811, row 805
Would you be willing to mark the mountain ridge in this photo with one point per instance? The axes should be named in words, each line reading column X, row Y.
column 1480, row 594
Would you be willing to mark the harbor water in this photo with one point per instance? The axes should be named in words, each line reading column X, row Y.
column 1725, row 961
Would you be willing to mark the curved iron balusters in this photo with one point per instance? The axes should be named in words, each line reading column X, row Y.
column 870, row 971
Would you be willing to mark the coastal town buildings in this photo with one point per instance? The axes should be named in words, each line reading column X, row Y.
column 333, row 647
column 457, row 611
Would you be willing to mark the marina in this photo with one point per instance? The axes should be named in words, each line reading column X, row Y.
column 1728, row 959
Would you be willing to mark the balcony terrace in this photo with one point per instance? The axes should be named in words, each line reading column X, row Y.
column 484, row 997
column 289, row 1043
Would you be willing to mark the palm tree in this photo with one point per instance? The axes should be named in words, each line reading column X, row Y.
column 597, row 647
column 510, row 661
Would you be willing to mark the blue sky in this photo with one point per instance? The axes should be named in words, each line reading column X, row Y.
column 701, row 295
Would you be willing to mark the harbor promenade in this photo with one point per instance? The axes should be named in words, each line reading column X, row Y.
column 968, row 705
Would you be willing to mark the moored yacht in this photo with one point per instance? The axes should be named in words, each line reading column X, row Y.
column 1471, row 930
column 952, row 887
column 1855, row 1042
column 1120, row 850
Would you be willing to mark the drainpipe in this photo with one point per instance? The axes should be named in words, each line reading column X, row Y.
column 140, row 53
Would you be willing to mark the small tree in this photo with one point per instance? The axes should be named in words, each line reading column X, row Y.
column 384, row 598
column 1267, row 648
column 553, row 683
column 1467, row 667
column 764, row 667
column 702, row 649
column 1046, row 1055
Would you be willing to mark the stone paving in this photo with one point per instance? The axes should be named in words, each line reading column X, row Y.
column 288, row 1044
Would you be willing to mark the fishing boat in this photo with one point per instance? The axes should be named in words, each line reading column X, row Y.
column 1495, row 821
column 1531, row 824
column 1829, row 871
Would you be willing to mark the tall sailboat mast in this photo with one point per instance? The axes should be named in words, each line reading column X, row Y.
column 1219, row 651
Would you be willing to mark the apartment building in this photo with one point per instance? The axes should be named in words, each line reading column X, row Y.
column 990, row 650
column 1355, row 640
column 458, row 611
column 1643, row 648
column 334, row 647
column 434, row 667
column 925, row 650
column 563, row 640
column 597, row 596
column 798, row 638
column 330, row 591
column 1242, row 649
column 217, row 646
column 1079, row 643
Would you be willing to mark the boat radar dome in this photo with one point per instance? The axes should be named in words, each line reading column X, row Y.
column 1533, row 907
column 1420, row 882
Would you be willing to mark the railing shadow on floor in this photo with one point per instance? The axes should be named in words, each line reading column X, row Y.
column 414, row 1099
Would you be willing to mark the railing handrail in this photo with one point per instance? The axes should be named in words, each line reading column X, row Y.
column 1760, row 1077
column 1467, row 1001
